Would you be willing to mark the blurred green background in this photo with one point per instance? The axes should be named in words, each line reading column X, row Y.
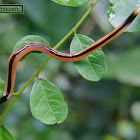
column 104, row 110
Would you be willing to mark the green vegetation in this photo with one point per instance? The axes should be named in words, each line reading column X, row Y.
column 64, row 94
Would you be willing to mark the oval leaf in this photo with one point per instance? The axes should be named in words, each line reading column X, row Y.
column 28, row 39
column 47, row 103
column 71, row 2
column 5, row 134
column 2, row 85
column 93, row 66
column 120, row 11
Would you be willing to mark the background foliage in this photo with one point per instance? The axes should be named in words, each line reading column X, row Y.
column 106, row 110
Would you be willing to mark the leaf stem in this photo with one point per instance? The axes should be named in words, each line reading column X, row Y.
column 42, row 66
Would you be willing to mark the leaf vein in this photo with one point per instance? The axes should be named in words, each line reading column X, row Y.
column 48, row 100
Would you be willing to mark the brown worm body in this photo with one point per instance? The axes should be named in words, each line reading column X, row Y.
column 39, row 47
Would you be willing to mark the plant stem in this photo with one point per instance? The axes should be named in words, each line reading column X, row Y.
column 8, row 108
column 42, row 66
column 77, row 25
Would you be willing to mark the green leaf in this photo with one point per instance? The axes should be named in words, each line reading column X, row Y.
column 93, row 66
column 28, row 39
column 5, row 134
column 120, row 11
column 47, row 103
column 2, row 85
column 71, row 2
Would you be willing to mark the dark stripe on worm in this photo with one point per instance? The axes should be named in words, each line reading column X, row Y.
column 39, row 47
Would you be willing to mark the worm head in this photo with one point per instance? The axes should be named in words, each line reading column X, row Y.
column 3, row 99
